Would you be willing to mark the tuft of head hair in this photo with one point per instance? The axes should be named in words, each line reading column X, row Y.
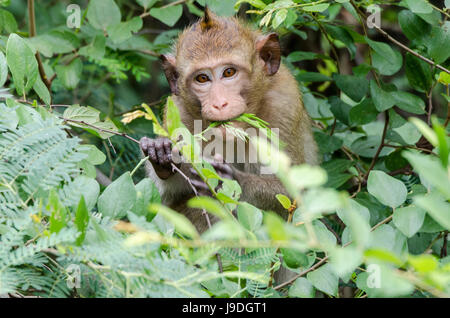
column 208, row 20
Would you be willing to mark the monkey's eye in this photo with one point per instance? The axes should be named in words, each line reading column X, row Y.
column 202, row 78
column 229, row 72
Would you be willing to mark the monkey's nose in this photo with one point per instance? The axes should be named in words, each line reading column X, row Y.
column 220, row 107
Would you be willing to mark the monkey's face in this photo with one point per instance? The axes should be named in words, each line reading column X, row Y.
column 219, row 89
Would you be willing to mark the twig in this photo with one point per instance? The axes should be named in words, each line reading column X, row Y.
column 377, row 154
column 444, row 245
column 100, row 129
column 32, row 30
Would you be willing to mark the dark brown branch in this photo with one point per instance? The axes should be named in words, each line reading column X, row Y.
column 444, row 245
column 32, row 30
column 377, row 154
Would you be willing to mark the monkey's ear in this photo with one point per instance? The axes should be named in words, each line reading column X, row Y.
column 269, row 50
column 169, row 66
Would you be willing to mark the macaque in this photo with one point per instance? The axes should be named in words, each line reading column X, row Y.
column 221, row 68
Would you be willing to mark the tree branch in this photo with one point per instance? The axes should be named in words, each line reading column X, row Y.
column 377, row 154
column 32, row 30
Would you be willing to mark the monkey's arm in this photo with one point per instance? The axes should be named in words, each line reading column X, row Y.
column 173, row 189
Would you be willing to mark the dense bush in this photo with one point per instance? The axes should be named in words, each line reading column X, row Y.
column 78, row 218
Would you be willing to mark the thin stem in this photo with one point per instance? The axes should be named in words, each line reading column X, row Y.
column 32, row 30
column 377, row 154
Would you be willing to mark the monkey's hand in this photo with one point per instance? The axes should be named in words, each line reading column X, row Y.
column 223, row 170
column 159, row 152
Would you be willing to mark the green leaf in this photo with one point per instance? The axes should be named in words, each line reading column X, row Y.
column 312, row 77
column 173, row 117
column 423, row 263
column 354, row 87
column 70, row 74
column 103, row 13
column 146, row 193
column 210, row 205
column 430, row 169
column 443, row 143
column 363, row 113
column 342, row 35
column 96, row 49
column 409, row 219
column 356, row 217
column 222, row 8
column 419, row 6
column 86, row 114
column 81, row 220
column 412, row 26
column 345, row 260
column 55, row 42
column 438, row 43
column 418, row 73
column 294, row 258
column 301, row 288
column 284, row 200
column 306, row 176
column 382, row 281
column 298, row 56
column 279, row 18
column 256, row 3
column 409, row 102
column 123, row 31
column 324, row 279
column 42, row 90
column 382, row 99
column 21, row 63
column 169, row 15
column 181, row 223
column 327, row 143
column 275, row 226
column 249, row 216
column 95, row 156
column 340, row 109
column 147, row 3
column 316, row 8
column 436, row 207
column 386, row 189
column 118, row 198
column 58, row 218
column 426, row 131
column 7, row 22
column 88, row 188
column 386, row 60
column 3, row 69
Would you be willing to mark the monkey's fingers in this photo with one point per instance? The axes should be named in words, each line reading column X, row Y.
column 148, row 148
column 224, row 170
column 168, row 149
